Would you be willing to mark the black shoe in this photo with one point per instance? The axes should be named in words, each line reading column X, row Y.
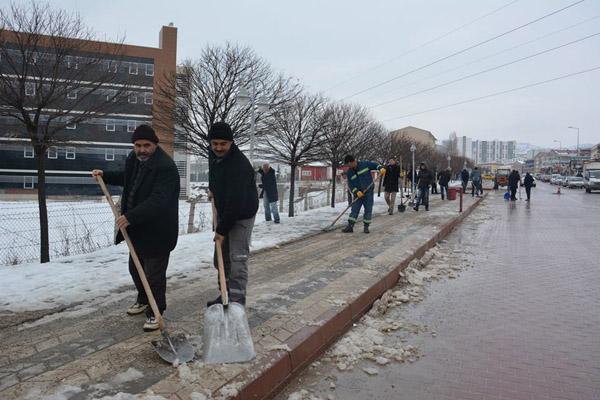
column 348, row 229
column 426, row 208
column 277, row 221
column 218, row 300
column 416, row 208
column 240, row 300
column 366, row 228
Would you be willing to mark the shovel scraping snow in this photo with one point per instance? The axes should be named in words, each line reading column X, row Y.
column 227, row 337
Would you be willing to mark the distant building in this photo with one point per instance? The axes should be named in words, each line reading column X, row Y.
column 101, row 143
column 493, row 151
column 415, row 135
column 560, row 161
column 595, row 152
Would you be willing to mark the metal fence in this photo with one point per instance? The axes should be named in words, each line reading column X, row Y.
column 83, row 226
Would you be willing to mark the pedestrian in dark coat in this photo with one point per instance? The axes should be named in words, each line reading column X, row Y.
column 232, row 184
column 434, row 182
column 513, row 184
column 444, row 178
column 270, row 194
column 528, row 183
column 424, row 180
column 390, row 184
column 464, row 177
column 149, row 212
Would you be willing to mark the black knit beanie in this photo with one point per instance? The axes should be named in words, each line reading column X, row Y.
column 144, row 132
column 220, row 131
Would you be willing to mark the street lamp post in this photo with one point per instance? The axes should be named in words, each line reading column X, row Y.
column 574, row 127
column 449, row 158
column 413, row 148
column 559, row 144
column 245, row 97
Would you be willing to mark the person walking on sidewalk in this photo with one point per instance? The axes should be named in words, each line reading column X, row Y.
column 424, row 179
column 269, row 191
column 434, row 182
column 390, row 184
column 360, row 183
column 514, row 179
column 476, row 187
column 464, row 177
column 444, row 178
column 232, row 185
column 528, row 183
column 149, row 212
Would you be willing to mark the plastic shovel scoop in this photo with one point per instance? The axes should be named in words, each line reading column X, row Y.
column 227, row 337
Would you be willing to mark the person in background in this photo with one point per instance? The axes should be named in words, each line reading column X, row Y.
column 434, row 182
column 270, row 194
column 464, row 177
column 424, row 179
column 444, row 178
column 391, row 184
column 514, row 179
column 476, row 187
column 528, row 183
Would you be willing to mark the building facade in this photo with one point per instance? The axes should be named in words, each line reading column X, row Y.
column 493, row 151
column 415, row 135
column 97, row 143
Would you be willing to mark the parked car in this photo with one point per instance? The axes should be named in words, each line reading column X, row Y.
column 555, row 179
column 574, row 182
column 563, row 181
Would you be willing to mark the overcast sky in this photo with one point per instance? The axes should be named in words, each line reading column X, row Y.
column 342, row 47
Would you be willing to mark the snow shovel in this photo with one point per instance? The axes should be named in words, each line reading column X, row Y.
column 401, row 206
column 227, row 337
column 331, row 226
column 173, row 349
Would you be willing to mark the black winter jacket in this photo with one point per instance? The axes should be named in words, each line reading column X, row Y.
column 154, row 218
column 528, row 181
column 390, row 180
column 425, row 178
column 444, row 177
column 233, row 185
column 269, row 184
column 464, row 175
column 513, row 179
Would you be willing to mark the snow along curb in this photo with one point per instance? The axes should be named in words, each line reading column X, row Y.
column 306, row 345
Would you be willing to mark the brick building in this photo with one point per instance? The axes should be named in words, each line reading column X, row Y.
column 101, row 143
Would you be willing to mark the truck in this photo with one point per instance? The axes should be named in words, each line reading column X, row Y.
column 591, row 176
column 501, row 178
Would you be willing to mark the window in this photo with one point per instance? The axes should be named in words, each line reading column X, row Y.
column 72, row 94
column 111, row 66
column 110, row 125
column 29, row 89
column 109, row 154
column 52, row 153
column 28, row 152
column 132, row 98
column 149, row 69
column 306, row 173
column 72, row 62
column 70, row 153
column 71, row 125
column 111, row 95
column 133, row 68
column 131, row 125
column 147, row 98
column 28, row 182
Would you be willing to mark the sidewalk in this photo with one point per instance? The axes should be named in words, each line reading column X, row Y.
column 301, row 297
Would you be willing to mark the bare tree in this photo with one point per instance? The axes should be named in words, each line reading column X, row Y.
column 345, row 132
column 295, row 136
column 53, row 75
column 207, row 91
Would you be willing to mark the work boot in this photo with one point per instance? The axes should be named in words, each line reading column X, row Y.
column 218, row 300
column 426, row 208
column 366, row 228
column 151, row 324
column 137, row 308
column 391, row 210
column 349, row 228
column 416, row 208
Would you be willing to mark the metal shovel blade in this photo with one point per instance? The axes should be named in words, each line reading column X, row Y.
column 174, row 349
column 227, row 337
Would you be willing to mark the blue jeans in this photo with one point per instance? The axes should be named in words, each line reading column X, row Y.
column 367, row 202
column 270, row 207
column 423, row 197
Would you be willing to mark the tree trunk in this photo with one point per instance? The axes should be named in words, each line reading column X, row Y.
column 333, row 182
column 40, row 155
column 292, row 188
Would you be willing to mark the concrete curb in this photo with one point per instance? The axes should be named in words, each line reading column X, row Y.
column 278, row 368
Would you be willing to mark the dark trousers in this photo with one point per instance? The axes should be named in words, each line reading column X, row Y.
column 528, row 192
column 155, row 269
column 367, row 202
column 464, row 186
column 423, row 198
column 476, row 188
column 513, row 193
column 434, row 188
column 443, row 188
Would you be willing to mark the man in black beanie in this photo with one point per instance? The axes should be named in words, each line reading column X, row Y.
column 232, row 184
column 149, row 211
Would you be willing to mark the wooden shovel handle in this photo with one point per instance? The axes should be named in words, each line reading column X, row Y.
column 220, row 263
column 134, row 256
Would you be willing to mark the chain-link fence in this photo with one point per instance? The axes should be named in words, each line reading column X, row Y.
column 82, row 226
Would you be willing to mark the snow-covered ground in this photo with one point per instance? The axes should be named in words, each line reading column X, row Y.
column 81, row 278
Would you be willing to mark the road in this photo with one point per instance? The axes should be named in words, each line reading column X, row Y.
column 520, row 320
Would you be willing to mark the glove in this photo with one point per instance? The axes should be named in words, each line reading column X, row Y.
column 382, row 172
column 359, row 194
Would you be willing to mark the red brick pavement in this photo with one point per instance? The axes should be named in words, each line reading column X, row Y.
column 523, row 324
